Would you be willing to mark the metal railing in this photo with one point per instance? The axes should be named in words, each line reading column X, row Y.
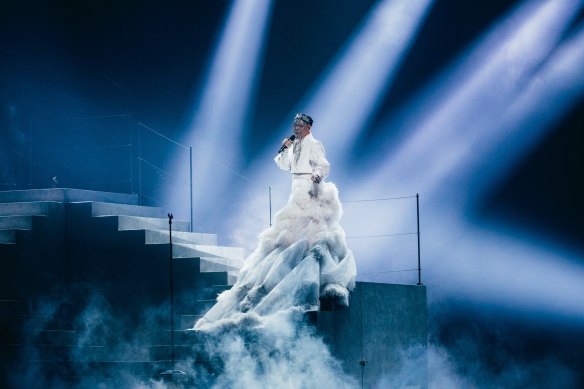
column 62, row 153
column 119, row 154
column 398, row 234
column 375, row 206
column 141, row 160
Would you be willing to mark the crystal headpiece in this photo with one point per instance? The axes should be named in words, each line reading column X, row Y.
column 303, row 117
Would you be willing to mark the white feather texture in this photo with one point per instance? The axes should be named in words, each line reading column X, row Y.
column 301, row 257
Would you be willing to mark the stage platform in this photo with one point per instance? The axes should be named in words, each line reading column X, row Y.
column 84, row 296
column 381, row 338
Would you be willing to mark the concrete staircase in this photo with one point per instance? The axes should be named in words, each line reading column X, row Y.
column 84, row 287
column 84, row 299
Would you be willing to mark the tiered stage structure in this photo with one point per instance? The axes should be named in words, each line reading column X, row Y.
column 84, row 296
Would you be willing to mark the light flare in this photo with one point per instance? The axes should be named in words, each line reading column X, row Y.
column 221, row 113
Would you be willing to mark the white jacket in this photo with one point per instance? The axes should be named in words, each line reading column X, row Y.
column 312, row 159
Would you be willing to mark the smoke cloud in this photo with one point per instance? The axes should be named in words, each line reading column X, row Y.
column 108, row 348
column 283, row 352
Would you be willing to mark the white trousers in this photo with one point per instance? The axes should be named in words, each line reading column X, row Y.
column 303, row 187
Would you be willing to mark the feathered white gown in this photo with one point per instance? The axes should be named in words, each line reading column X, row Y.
column 302, row 256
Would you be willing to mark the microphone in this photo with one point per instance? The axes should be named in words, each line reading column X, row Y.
column 292, row 137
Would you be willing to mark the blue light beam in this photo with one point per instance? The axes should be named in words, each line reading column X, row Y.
column 479, row 126
column 350, row 91
column 461, row 122
column 221, row 113
column 347, row 94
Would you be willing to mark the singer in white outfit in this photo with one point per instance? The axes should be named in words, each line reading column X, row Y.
column 303, row 257
column 304, row 157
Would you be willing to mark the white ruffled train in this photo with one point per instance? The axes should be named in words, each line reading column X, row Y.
column 301, row 257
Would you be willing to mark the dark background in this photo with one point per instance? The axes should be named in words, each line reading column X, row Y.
column 68, row 59
column 143, row 61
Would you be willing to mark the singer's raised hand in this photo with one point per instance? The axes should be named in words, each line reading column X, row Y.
column 287, row 142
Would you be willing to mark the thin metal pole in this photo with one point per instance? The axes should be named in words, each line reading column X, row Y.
column 139, row 166
column 363, row 361
column 171, row 291
column 131, row 131
column 30, row 153
column 270, row 197
column 172, row 372
column 191, row 182
column 131, row 169
column 418, row 217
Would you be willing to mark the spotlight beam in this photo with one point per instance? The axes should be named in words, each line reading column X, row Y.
column 483, row 257
column 469, row 111
column 557, row 85
column 221, row 113
column 348, row 93
column 494, row 266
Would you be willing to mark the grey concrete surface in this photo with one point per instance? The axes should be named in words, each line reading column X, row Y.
column 162, row 236
column 66, row 195
column 382, row 336
column 39, row 208
column 235, row 255
column 108, row 209
column 74, row 252
column 15, row 222
column 149, row 223
column 125, row 261
column 7, row 236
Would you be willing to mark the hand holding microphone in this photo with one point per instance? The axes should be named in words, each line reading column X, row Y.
column 287, row 143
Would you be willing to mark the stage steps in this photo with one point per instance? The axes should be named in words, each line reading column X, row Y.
column 62, row 247
column 19, row 216
column 78, row 355
column 13, row 223
column 84, row 298
column 66, row 195
column 162, row 236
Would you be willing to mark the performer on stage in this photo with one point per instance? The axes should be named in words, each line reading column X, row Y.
column 306, row 159
column 303, row 255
